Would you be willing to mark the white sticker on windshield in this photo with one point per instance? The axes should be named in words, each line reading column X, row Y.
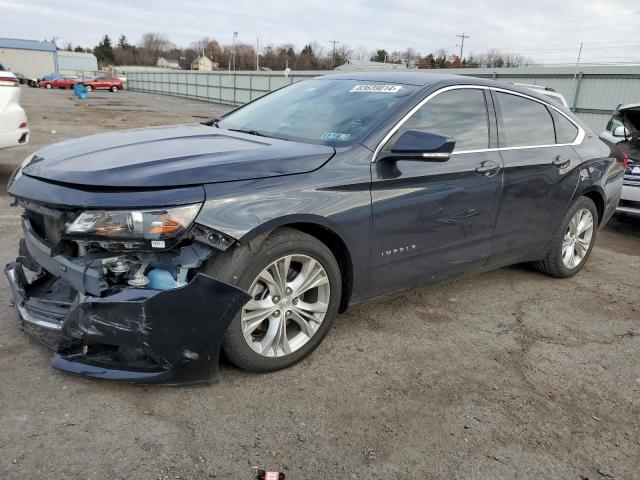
column 340, row 137
column 376, row 88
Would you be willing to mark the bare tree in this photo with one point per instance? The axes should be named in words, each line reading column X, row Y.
column 153, row 46
column 361, row 53
column 410, row 57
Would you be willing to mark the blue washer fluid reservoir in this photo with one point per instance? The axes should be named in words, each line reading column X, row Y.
column 161, row 279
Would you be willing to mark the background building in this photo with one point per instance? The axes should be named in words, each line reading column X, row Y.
column 74, row 63
column 32, row 58
column 204, row 63
column 365, row 65
column 164, row 63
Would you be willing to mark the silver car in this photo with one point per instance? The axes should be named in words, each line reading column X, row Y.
column 623, row 132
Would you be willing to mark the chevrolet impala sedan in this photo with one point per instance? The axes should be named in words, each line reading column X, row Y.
column 147, row 253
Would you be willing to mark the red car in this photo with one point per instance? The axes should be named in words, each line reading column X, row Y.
column 58, row 83
column 106, row 83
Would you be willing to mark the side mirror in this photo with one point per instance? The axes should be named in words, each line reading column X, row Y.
column 621, row 131
column 422, row 146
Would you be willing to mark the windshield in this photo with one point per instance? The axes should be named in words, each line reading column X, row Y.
column 332, row 112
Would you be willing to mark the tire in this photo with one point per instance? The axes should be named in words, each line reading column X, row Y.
column 555, row 262
column 48, row 86
column 244, row 266
column 89, row 88
column 114, row 89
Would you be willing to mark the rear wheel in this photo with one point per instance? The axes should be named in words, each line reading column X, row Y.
column 295, row 287
column 114, row 88
column 89, row 88
column 47, row 85
column 573, row 241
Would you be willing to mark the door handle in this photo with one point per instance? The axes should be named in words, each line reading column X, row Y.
column 488, row 168
column 561, row 162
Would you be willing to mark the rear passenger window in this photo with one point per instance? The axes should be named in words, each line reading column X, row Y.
column 461, row 114
column 524, row 122
column 566, row 131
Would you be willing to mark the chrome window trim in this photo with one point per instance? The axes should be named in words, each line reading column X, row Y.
column 577, row 140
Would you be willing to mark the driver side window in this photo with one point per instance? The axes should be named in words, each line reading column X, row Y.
column 461, row 114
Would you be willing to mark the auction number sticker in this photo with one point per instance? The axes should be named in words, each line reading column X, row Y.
column 377, row 88
column 340, row 137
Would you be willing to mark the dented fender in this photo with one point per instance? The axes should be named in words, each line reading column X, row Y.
column 181, row 329
column 138, row 334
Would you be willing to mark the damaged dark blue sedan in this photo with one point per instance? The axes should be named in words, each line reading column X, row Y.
column 148, row 252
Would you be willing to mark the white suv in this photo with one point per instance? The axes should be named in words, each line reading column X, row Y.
column 13, row 121
column 558, row 98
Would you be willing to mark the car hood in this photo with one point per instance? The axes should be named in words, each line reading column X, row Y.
column 172, row 156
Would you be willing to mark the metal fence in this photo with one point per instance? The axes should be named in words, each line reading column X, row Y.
column 232, row 88
column 592, row 91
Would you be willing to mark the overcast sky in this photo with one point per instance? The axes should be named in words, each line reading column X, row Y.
column 547, row 31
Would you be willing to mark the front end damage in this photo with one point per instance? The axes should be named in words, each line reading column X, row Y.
column 117, row 309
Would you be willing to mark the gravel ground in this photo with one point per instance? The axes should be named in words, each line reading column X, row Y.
column 508, row 374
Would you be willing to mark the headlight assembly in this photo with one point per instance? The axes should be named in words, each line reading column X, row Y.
column 131, row 224
column 17, row 173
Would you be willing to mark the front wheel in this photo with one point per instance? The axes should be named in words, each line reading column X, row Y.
column 114, row 88
column 295, row 286
column 573, row 241
column 48, row 85
column 88, row 87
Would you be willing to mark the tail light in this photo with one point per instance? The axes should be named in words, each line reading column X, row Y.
column 625, row 161
column 10, row 81
column 23, row 125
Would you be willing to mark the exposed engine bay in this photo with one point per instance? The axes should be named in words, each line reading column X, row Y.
column 107, row 305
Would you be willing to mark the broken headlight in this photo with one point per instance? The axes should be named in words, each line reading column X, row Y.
column 148, row 224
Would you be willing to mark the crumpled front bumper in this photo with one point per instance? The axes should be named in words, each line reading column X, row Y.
column 131, row 334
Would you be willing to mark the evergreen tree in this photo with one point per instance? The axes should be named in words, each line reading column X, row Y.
column 104, row 51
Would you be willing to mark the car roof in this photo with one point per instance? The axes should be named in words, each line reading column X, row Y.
column 418, row 79
column 426, row 79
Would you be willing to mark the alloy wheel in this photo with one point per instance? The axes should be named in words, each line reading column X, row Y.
column 289, row 301
column 577, row 238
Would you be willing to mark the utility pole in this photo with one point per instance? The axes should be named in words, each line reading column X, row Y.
column 463, row 36
column 575, row 74
column 335, row 42
column 257, row 54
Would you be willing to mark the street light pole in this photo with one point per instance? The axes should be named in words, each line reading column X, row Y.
column 235, row 35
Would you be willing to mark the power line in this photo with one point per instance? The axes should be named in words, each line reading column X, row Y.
column 597, row 19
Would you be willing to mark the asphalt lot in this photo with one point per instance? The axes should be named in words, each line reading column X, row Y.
column 508, row 374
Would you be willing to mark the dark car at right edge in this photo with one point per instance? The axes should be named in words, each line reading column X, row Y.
column 145, row 253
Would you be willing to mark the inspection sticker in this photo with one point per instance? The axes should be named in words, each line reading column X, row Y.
column 376, row 88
